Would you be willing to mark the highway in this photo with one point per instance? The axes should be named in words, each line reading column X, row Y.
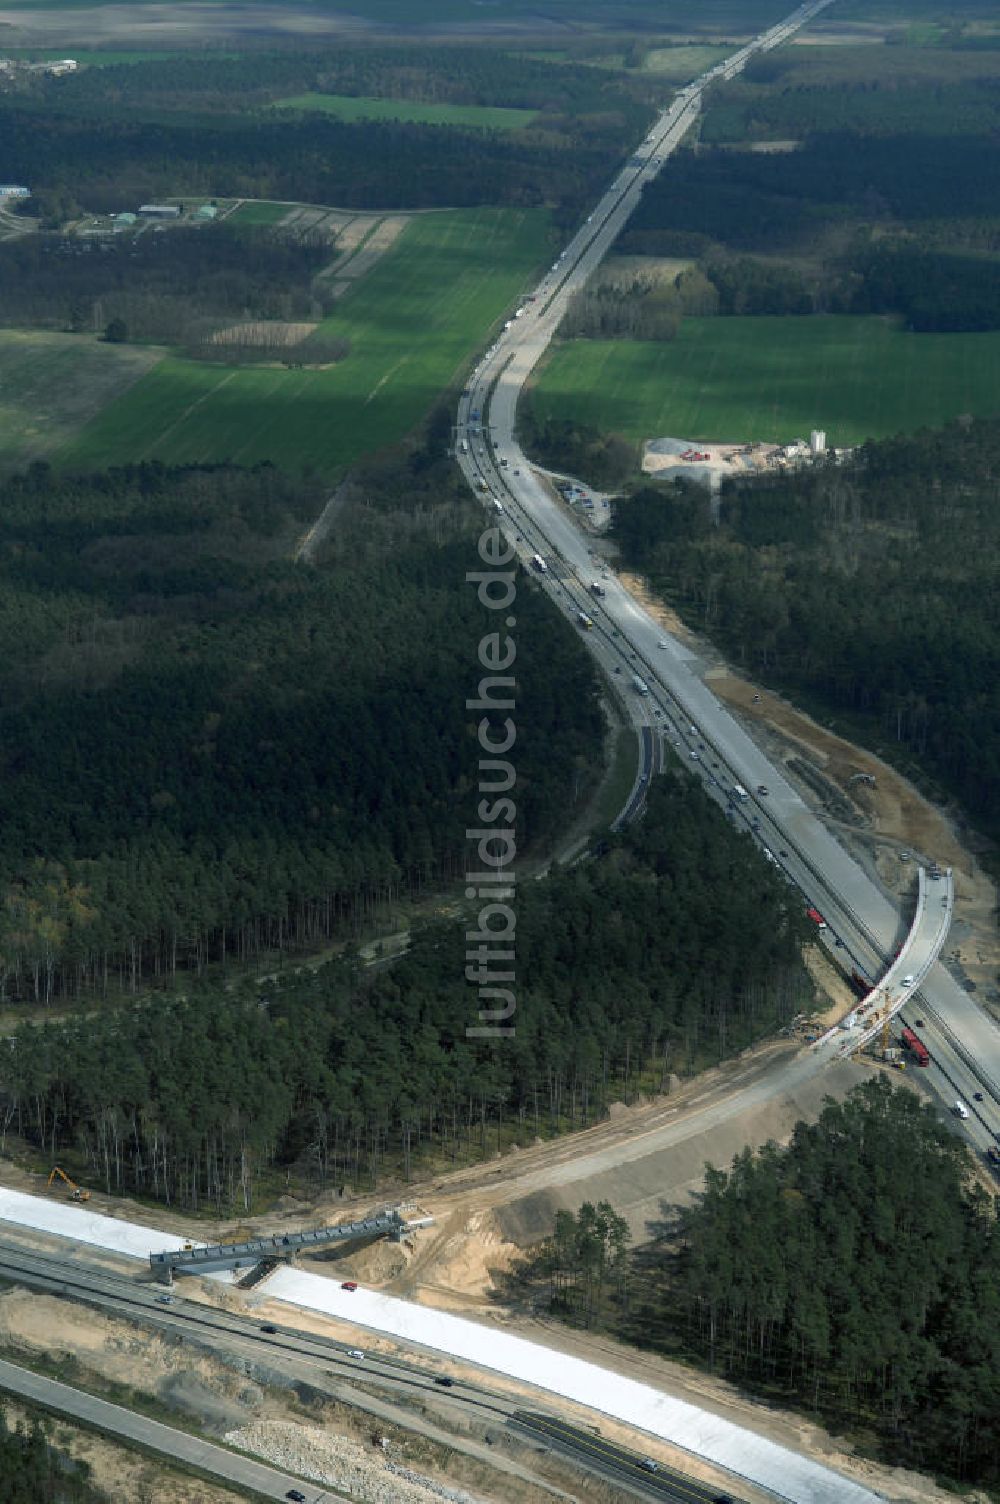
column 626, row 640
column 177, row 1447
column 736, row 1450
column 305, row 1356
column 618, row 1463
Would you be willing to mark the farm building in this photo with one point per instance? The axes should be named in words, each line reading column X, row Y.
column 14, row 190
column 206, row 212
column 126, row 219
column 159, row 211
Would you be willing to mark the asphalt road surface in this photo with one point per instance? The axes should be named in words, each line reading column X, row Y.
column 618, row 1463
column 178, row 1447
column 302, row 1354
column 626, row 638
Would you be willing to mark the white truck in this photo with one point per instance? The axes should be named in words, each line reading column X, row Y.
column 639, row 685
column 960, row 1110
column 740, row 791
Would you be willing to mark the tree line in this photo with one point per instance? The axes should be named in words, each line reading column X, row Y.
column 929, row 107
column 110, row 165
column 210, row 753
column 200, row 123
column 852, row 1273
column 166, row 286
column 866, row 588
column 643, row 307
column 780, row 201
column 675, row 947
column 464, row 74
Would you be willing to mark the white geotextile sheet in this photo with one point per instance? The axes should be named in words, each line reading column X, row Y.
column 742, row 1452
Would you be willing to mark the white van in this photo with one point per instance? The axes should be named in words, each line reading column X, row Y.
column 960, row 1110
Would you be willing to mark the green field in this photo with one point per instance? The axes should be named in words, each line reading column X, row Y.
column 350, row 107
column 680, row 64
column 736, row 379
column 259, row 211
column 52, row 384
column 413, row 321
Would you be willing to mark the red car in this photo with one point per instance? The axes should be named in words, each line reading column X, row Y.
column 349, row 1284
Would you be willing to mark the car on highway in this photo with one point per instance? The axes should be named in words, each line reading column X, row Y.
column 649, row 1464
column 909, row 979
column 977, row 1096
column 662, row 643
column 355, row 1352
column 919, row 1023
column 782, row 851
column 296, row 1495
column 269, row 1329
column 164, row 1300
column 445, row 1382
column 349, row 1284
column 763, row 790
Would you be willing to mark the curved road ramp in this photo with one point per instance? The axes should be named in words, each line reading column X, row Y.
column 741, row 1452
column 920, row 950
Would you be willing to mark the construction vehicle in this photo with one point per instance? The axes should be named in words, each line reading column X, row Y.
column 76, row 1194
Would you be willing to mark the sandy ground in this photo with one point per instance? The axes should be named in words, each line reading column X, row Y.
column 117, row 1351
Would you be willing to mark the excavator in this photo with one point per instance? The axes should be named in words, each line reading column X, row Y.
column 76, row 1194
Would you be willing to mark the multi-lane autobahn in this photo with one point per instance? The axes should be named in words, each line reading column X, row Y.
column 303, row 1356
column 626, row 641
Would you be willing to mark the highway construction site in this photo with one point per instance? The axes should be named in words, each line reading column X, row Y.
column 387, row 1359
column 478, row 1222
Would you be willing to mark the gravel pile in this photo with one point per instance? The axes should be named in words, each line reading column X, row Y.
column 326, row 1458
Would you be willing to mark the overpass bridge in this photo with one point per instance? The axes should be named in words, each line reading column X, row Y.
column 260, row 1256
column 920, row 951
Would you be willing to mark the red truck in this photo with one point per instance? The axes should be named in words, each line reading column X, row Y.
column 817, row 918
column 916, row 1047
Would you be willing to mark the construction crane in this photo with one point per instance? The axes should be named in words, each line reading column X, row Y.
column 76, row 1194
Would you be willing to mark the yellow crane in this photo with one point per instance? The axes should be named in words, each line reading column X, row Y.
column 76, row 1194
